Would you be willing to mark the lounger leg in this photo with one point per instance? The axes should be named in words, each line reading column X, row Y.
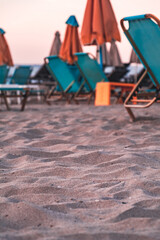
column 67, row 98
column 75, row 96
column 24, row 100
column 49, row 95
column 131, row 114
column 50, row 92
column 5, row 100
column 48, row 98
column 90, row 97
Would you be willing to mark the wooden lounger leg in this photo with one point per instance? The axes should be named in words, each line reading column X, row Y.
column 68, row 99
column 5, row 100
column 131, row 114
column 90, row 97
column 48, row 96
column 24, row 100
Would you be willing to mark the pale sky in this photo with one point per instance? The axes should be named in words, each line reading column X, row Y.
column 30, row 25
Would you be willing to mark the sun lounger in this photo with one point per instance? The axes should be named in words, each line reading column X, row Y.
column 21, row 75
column 8, row 90
column 144, row 35
column 69, row 85
column 98, row 82
column 3, row 73
column 90, row 70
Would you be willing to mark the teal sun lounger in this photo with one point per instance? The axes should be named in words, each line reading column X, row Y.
column 143, row 34
column 21, row 75
column 9, row 90
column 3, row 73
column 70, row 84
column 90, row 70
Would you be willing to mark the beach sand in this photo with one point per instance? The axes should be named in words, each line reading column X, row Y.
column 79, row 172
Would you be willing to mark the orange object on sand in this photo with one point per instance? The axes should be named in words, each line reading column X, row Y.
column 99, row 23
column 102, row 94
column 71, row 43
column 5, row 55
column 103, row 91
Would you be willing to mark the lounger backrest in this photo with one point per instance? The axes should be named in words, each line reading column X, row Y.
column 90, row 70
column 21, row 75
column 61, row 74
column 3, row 73
column 144, row 36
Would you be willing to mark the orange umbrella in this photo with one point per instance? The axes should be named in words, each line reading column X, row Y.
column 71, row 43
column 99, row 23
column 5, row 55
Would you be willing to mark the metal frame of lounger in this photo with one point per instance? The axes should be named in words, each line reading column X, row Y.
column 72, row 90
column 134, row 99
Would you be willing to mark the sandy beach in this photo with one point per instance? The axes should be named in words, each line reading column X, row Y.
column 79, row 172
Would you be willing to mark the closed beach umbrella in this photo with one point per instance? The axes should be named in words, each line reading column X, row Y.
column 43, row 73
column 105, row 55
column 71, row 43
column 115, row 59
column 99, row 24
column 134, row 58
column 5, row 55
column 56, row 45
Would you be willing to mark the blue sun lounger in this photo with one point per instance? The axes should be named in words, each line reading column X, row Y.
column 21, row 75
column 90, row 70
column 69, row 84
column 96, row 80
column 19, row 87
column 144, row 36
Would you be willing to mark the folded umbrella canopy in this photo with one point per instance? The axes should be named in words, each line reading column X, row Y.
column 5, row 55
column 71, row 43
column 56, row 45
column 115, row 59
column 133, row 57
column 99, row 24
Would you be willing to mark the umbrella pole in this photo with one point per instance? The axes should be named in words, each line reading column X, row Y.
column 100, row 57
